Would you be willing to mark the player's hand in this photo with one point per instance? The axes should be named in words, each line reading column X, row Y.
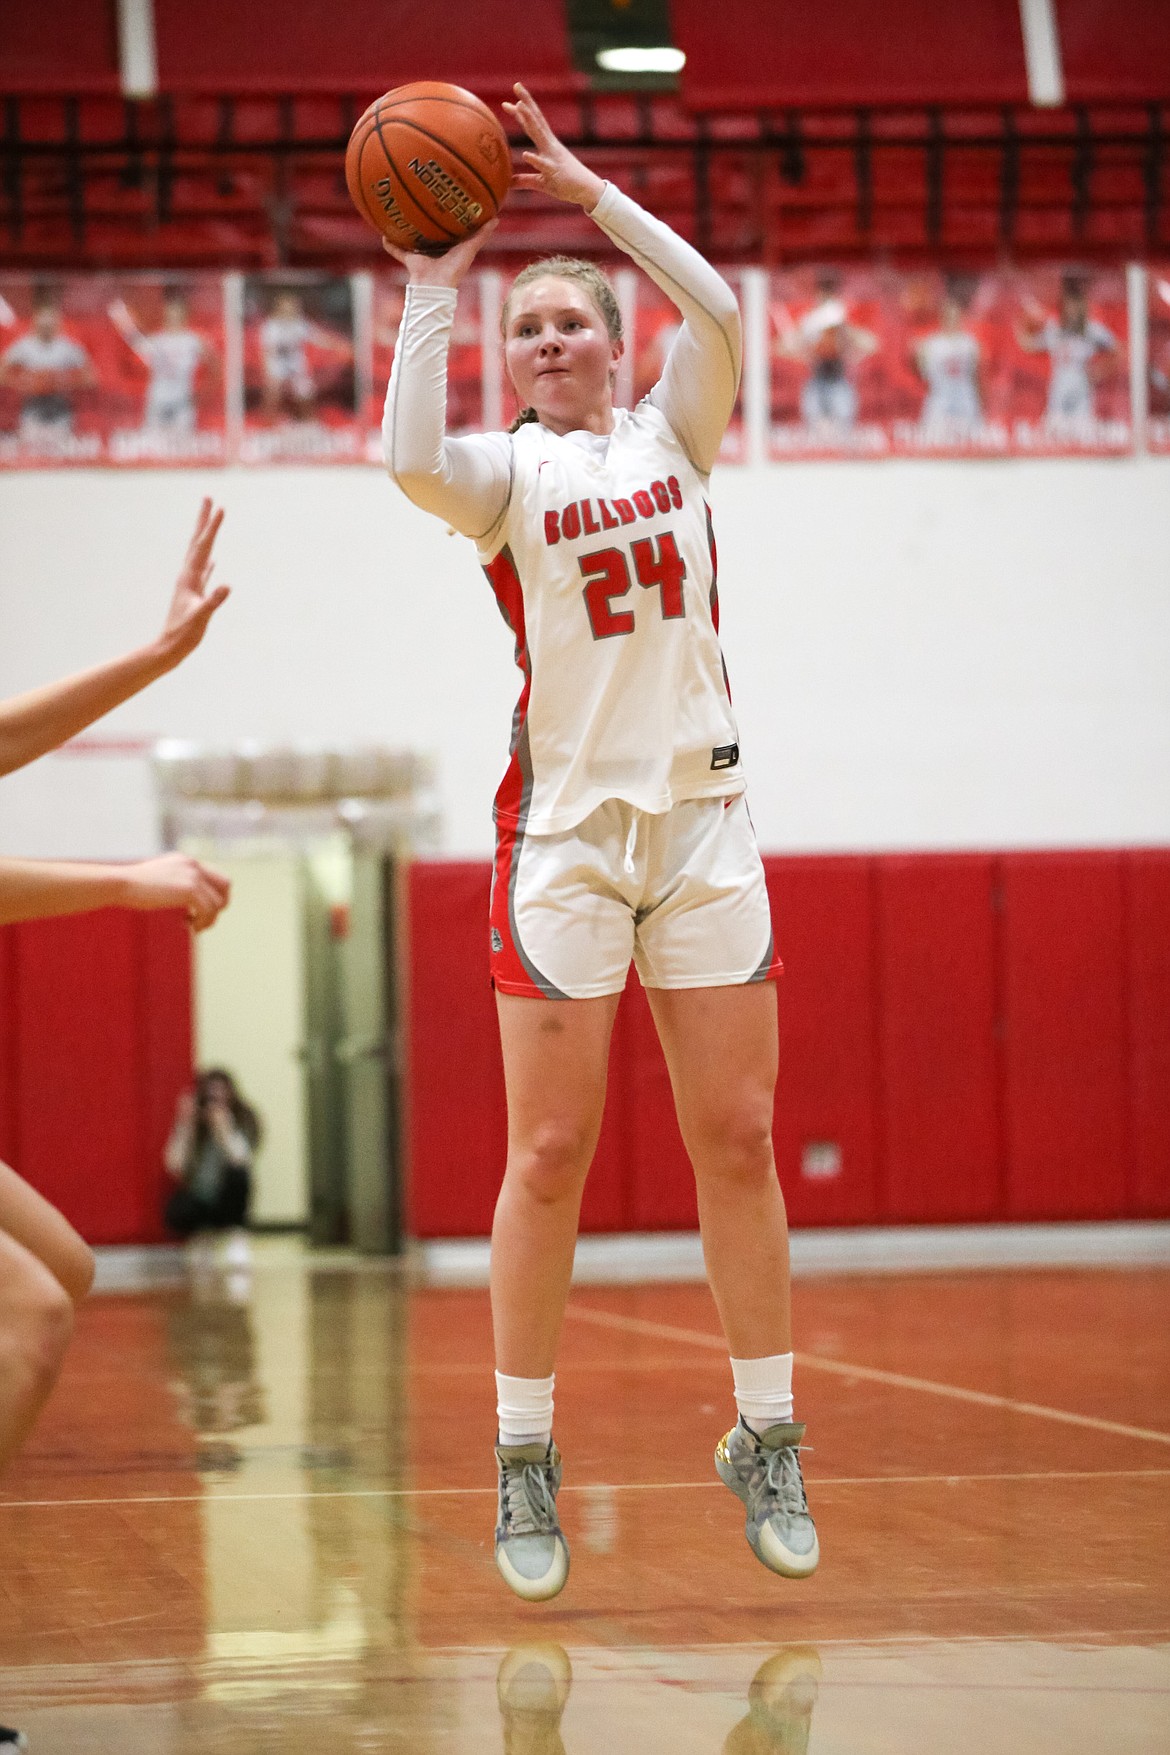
column 195, row 600
column 174, row 880
column 447, row 269
column 554, row 170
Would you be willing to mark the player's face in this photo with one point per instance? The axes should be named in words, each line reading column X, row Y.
column 175, row 314
column 559, row 355
column 46, row 322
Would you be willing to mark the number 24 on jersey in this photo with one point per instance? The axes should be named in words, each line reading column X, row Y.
column 657, row 565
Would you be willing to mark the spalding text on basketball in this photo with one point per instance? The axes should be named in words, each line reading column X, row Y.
column 447, row 194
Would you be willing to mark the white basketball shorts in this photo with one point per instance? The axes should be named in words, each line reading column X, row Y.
column 682, row 893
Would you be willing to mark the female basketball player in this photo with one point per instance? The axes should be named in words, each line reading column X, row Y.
column 622, row 826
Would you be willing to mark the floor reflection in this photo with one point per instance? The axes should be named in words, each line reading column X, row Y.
column 258, row 1516
column 781, row 1698
column 532, row 1686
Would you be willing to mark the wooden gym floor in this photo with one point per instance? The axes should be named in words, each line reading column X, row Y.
column 259, row 1518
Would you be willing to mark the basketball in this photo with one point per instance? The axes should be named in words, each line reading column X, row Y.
column 427, row 165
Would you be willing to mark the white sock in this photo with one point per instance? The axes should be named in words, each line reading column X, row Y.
column 763, row 1390
column 524, row 1409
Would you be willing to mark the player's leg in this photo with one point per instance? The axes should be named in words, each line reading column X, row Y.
column 37, row 1226
column 721, row 1051
column 555, row 1058
column 705, row 953
column 36, row 1322
column 556, row 1052
column 45, row 1269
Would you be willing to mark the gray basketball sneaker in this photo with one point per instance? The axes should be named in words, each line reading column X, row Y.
column 531, row 1551
column 764, row 1471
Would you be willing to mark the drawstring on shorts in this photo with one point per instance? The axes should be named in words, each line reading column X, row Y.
column 631, row 843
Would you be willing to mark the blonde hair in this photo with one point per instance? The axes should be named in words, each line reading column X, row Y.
column 587, row 275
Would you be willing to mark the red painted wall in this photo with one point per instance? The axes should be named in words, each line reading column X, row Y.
column 95, row 1045
column 962, row 1037
column 968, row 1037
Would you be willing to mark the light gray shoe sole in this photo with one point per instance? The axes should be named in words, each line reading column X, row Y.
column 535, row 1590
column 765, row 1544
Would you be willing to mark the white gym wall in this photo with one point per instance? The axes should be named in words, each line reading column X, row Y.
column 923, row 655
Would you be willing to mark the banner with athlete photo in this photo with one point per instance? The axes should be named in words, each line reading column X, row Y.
column 870, row 362
column 111, row 369
column 302, row 390
column 1158, row 356
column 1060, row 372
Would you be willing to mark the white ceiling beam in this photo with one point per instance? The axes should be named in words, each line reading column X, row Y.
column 137, row 54
column 1042, row 53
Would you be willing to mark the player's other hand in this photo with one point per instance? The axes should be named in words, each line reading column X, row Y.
column 174, row 880
column 553, row 168
column 195, row 600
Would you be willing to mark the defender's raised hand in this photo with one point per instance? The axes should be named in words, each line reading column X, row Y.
column 195, row 600
column 554, row 169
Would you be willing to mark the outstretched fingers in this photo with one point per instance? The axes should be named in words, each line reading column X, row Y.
column 532, row 119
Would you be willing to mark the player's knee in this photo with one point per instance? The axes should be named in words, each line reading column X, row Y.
column 39, row 1326
column 553, row 1160
column 76, row 1268
column 736, row 1143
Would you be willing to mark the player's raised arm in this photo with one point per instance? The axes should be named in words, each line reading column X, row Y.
column 36, row 722
column 700, row 378
column 464, row 481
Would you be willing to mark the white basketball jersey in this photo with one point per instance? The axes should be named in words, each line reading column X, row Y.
column 604, row 567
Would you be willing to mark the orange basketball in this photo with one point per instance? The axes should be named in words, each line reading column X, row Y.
column 427, row 165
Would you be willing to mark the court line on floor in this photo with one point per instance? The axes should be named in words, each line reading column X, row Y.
column 871, row 1374
column 822, row 1482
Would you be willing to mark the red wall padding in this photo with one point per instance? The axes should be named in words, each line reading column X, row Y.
column 1148, row 987
column 970, row 1037
column 95, row 1047
column 938, row 1102
column 458, row 1121
column 744, row 56
column 1067, row 1145
column 823, row 921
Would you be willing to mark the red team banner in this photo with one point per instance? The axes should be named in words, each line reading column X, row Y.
column 112, row 369
column 301, row 399
column 858, row 362
column 867, row 362
column 1158, row 355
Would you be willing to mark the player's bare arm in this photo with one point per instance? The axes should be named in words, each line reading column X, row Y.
column 33, row 889
column 36, row 722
